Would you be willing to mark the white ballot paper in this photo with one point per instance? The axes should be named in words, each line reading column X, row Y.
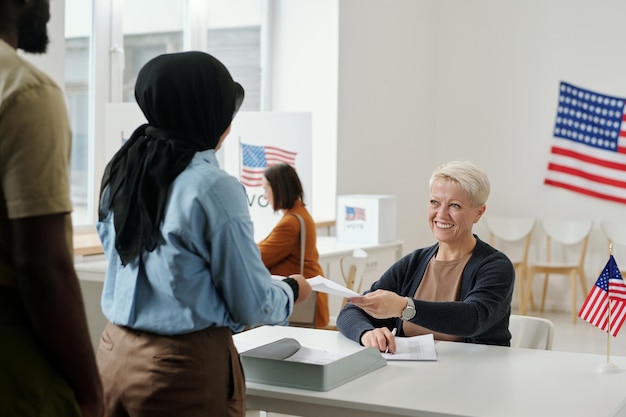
column 416, row 348
column 321, row 284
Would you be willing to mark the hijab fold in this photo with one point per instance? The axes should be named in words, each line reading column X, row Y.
column 189, row 100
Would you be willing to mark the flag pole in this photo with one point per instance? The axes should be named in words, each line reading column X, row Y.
column 608, row 331
column 608, row 367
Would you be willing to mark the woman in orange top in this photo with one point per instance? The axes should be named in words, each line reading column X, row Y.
column 280, row 250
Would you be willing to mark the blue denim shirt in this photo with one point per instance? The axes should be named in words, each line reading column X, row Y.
column 207, row 272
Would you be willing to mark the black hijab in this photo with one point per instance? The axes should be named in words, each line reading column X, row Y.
column 189, row 100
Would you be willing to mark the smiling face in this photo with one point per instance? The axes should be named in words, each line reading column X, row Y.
column 450, row 213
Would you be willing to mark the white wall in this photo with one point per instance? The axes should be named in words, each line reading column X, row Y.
column 405, row 85
column 304, row 78
column 424, row 82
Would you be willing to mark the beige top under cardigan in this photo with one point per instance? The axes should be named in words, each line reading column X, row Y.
column 442, row 282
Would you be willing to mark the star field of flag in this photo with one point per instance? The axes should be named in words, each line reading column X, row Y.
column 588, row 153
column 608, row 289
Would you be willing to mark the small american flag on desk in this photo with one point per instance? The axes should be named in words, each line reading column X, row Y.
column 256, row 158
column 588, row 153
column 609, row 288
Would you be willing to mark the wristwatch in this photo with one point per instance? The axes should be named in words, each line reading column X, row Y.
column 409, row 311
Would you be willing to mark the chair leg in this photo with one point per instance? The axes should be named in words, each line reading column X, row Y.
column 545, row 290
column 572, row 276
column 522, row 290
column 583, row 282
column 529, row 294
column 528, row 290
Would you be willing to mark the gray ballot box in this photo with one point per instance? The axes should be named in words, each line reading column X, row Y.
column 275, row 364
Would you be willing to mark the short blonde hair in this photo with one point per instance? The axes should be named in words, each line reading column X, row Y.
column 469, row 176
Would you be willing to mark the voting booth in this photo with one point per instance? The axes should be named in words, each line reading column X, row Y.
column 366, row 218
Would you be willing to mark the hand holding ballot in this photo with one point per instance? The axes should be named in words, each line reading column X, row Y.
column 304, row 288
column 381, row 304
column 321, row 284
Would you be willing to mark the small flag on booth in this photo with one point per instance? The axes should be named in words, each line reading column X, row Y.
column 609, row 289
column 355, row 213
column 256, row 158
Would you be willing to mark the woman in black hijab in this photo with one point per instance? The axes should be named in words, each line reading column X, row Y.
column 183, row 269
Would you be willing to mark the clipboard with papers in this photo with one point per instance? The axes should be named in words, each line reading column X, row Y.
column 285, row 362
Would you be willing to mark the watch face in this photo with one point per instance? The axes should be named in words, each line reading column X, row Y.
column 409, row 312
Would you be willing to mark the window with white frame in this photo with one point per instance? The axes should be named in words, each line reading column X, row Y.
column 133, row 33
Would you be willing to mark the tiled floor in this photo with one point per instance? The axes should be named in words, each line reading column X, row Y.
column 570, row 337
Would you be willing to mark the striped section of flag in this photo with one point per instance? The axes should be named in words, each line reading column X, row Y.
column 588, row 153
column 256, row 158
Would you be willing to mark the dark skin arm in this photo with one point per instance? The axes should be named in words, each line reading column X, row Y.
column 51, row 294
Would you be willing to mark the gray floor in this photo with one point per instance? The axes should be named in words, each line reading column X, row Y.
column 570, row 337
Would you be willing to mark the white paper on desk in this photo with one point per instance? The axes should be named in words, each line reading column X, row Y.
column 321, row 284
column 416, row 348
column 315, row 356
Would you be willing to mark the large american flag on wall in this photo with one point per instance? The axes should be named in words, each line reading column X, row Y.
column 256, row 158
column 588, row 153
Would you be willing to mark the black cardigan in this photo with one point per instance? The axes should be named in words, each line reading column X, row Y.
column 482, row 315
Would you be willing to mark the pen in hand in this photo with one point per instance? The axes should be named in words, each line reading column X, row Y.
column 393, row 332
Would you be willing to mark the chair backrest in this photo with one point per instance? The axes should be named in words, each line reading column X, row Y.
column 567, row 233
column 531, row 332
column 615, row 231
column 353, row 269
column 511, row 231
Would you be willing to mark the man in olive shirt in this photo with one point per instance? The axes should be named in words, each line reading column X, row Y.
column 47, row 363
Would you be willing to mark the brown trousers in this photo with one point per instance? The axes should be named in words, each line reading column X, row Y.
column 190, row 375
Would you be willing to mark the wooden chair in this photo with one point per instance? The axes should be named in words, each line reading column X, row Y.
column 615, row 232
column 352, row 270
column 565, row 235
column 508, row 234
column 531, row 332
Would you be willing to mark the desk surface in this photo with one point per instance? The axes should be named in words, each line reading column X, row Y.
column 328, row 246
column 329, row 251
column 466, row 380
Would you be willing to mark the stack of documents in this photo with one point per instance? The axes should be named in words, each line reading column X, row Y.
column 286, row 363
column 416, row 348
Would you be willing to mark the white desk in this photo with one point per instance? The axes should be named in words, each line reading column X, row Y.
column 332, row 251
column 467, row 380
column 92, row 268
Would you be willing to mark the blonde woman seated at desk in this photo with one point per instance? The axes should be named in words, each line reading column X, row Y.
column 280, row 250
column 459, row 289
